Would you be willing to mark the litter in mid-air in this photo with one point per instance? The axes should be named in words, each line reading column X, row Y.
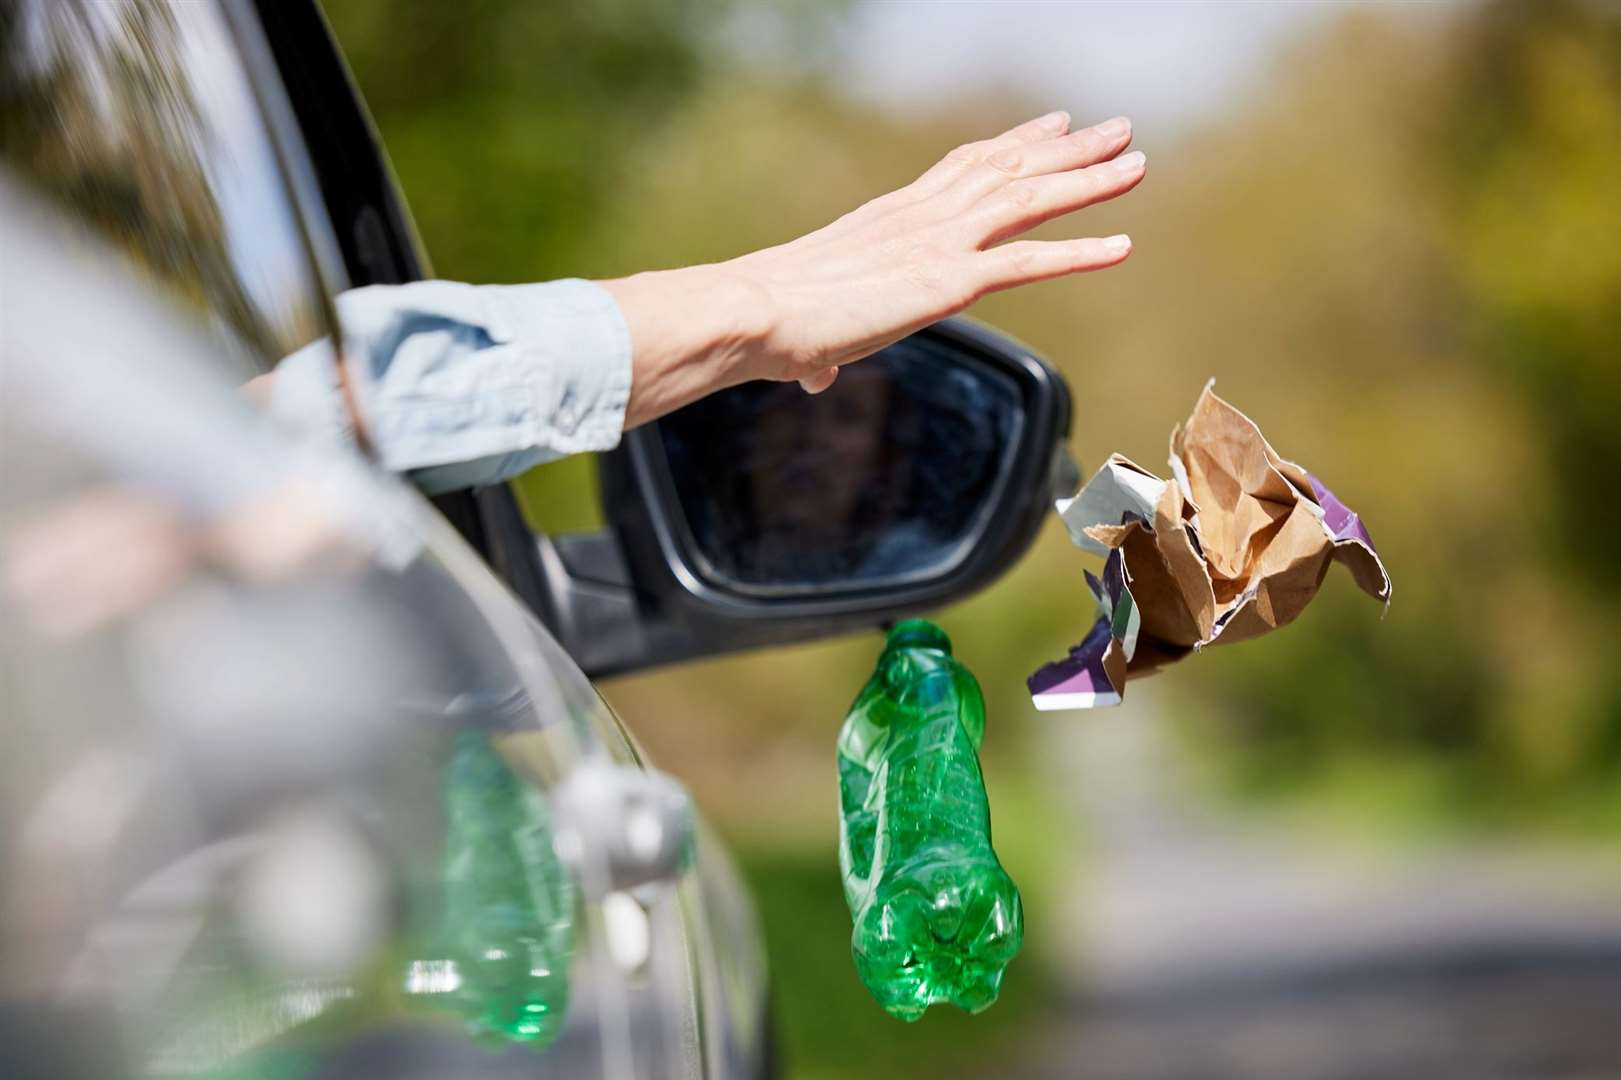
column 1233, row 546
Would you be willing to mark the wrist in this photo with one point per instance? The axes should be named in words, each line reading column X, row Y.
column 693, row 331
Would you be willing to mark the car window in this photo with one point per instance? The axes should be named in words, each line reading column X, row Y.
column 137, row 120
column 269, row 723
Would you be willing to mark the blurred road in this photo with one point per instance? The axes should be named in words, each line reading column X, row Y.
column 1214, row 947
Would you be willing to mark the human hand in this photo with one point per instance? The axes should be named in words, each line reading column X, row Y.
column 887, row 268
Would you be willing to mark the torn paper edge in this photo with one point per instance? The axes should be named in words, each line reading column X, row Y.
column 1119, row 486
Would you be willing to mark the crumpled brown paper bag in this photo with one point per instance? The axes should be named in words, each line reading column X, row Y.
column 1235, row 545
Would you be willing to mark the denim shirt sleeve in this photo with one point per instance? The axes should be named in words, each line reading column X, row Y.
column 465, row 385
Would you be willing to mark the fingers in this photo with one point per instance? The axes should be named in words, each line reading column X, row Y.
column 1024, row 204
column 1049, row 126
column 815, row 384
column 1075, row 151
column 960, row 160
column 1100, row 142
column 1037, row 260
column 1032, row 148
column 966, row 157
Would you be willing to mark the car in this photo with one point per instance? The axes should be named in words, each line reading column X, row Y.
column 305, row 775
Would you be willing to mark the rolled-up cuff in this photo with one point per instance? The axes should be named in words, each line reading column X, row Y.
column 305, row 397
column 470, row 385
column 577, row 329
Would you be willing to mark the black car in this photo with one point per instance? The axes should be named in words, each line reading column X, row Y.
column 244, row 674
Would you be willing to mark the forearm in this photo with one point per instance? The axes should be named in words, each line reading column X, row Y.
column 693, row 331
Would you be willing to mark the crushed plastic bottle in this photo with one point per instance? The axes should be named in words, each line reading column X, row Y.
column 507, row 936
column 936, row 917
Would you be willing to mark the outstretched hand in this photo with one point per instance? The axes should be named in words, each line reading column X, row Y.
column 889, row 267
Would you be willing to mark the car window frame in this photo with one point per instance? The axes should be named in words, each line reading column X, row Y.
column 347, row 191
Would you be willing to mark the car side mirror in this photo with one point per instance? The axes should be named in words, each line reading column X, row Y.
column 763, row 515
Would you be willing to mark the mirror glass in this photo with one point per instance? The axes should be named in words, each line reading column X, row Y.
column 884, row 478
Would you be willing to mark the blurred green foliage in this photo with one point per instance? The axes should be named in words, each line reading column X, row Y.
column 515, row 120
column 1536, row 156
column 1401, row 255
column 1495, row 671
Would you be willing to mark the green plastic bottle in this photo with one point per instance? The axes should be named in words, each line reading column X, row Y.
column 936, row 917
column 503, row 950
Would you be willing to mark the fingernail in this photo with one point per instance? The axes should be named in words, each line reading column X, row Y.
column 1117, row 245
column 1131, row 162
column 1055, row 121
column 1113, row 129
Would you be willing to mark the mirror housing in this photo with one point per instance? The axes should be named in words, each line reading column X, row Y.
column 646, row 591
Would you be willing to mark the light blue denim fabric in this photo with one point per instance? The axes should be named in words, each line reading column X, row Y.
column 466, row 385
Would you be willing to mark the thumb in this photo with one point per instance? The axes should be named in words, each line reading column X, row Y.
column 815, row 384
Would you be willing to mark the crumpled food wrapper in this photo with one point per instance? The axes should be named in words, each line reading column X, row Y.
column 1233, row 546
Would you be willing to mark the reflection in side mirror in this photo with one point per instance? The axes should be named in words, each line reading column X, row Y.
column 885, row 478
column 763, row 515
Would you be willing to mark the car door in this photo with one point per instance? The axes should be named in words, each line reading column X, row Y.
column 162, row 140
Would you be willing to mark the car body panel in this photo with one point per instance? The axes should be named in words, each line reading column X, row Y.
column 416, row 639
